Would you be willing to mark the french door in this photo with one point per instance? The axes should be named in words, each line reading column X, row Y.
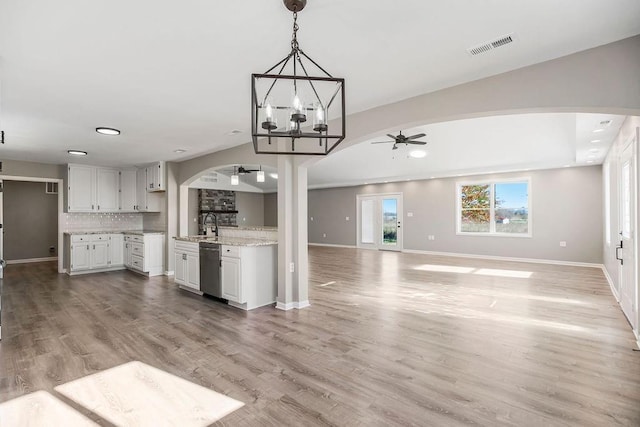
column 379, row 221
column 625, row 252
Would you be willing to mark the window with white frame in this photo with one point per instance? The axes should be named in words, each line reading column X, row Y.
column 501, row 208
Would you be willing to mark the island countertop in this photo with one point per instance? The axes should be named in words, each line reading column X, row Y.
column 231, row 241
column 137, row 232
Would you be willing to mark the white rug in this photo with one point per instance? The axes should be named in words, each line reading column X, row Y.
column 136, row 394
column 40, row 409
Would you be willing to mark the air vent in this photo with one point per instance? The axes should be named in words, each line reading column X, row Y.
column 605, row 123
column 490, row 45
column 51, row 188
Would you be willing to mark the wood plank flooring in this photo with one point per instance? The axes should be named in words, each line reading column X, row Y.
column 398, row 339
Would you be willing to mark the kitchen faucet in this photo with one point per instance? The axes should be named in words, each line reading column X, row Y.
column 204, row 223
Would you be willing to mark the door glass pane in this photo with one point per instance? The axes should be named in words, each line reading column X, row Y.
column 389, row 221
column 626, row 201
column 512, row 207
column 475, row 203
column 367, row 220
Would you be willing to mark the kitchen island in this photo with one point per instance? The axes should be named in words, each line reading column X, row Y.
column 248, row 265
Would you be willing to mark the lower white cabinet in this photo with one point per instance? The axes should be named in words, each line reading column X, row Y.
column 144, row 253
column 187, row 265
column 230, row 277
column 87, row 253
column 249, row 275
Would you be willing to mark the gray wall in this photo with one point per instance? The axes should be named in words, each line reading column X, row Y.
column 271, row 209
column 566, row 206
column 30, row 220
column 250, row 208
column 32, row 169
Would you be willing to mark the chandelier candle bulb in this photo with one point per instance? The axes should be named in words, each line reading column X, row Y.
column 319, row 122
column 270, row 122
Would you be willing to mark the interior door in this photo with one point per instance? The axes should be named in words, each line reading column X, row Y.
column 379, row 222
column 626, row 249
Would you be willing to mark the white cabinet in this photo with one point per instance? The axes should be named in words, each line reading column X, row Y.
column 146, row 202
column 85, row 253
column 116, row 250
column 155, row 177
column 144, row 253
column 187, row 265
column 81, row 188
column 97, row 189
column 128, row 190
column 107, row 190
column 231, row 279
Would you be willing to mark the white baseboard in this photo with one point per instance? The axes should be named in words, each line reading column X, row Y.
column 610, row 281
column 169, row 273
column 332, row 246
column 503, row 258
column 25, row 261
column 292, row 305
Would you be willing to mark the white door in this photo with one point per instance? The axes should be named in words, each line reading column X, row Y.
column 380, row 221
column 626, row 250
column 100, row 254
column 230, row 278
column 180, row 268
column 116, row 250
column 80, row 256
column 193, row 271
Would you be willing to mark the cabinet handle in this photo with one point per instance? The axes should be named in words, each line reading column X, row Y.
column 92, row 208
column 94, row 247
column 184, row 257
column 98, row 207
column 87, row 247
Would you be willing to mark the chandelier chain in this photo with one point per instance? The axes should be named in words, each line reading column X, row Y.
column 294, row 39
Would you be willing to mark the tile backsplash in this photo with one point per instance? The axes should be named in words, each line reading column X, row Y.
column 102, row 221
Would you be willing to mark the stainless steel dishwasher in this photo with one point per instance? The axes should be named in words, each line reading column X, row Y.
column 210, row 269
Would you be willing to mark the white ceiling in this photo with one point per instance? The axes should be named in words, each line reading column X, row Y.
column 176, row 75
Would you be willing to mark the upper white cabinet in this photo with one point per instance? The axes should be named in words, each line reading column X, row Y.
column 81, row 188
column 155, row 177
column 107, row 190
column 98, row 189
column 128, row 190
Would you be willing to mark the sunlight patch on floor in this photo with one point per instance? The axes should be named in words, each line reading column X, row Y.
column 471, row 270
column 40, row 409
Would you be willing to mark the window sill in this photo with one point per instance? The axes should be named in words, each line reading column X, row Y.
column 465, row 233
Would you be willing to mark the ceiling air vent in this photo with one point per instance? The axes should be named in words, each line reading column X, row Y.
column 490, row 45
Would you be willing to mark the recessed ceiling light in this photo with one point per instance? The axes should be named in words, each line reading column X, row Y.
column 605, row 123
column 593, row 150
column 235, row 132
column 567, row 166
column 431, row 177
column 273, row 175
column 598, row 130
column 589, row 161
column 417, row 154
column 77, row 152
column 591, row 156
column 108, row 131
column 179, row 151
column 386, row 182
column 593, row 141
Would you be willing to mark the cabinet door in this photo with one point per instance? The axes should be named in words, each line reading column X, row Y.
column 128, row 190
column 193, row 271
column 180, row 270
column 231, row 280
column 141, row 190
column 107, row 190
column 81, row 187
column 155, row 177
column 127, row 253
column 99, row 254
column 116, row 250
column 80, row 256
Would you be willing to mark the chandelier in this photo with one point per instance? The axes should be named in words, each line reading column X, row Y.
column 293, row 112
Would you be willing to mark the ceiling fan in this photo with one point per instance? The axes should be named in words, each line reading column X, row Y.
column 401, row 139
column 243, row 171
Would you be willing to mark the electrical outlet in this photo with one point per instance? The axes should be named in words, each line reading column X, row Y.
column 409, row 214
column 244, row 219
column 431, row 237
column 195, row 219
column 346, row 218
column 324, row 234
column 563, row 244
column 292, row 267
column 311, row 218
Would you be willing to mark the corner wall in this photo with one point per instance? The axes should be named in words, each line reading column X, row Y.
column 566, row 206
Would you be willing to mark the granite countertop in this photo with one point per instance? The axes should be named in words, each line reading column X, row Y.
column 231, row 241
column 137, row 232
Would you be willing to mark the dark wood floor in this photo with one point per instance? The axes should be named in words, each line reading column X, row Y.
column 398, row 339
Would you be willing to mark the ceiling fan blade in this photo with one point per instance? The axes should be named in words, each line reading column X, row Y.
column 417, row 142
column 395, row 147
column 416, row 136
column 392, row 137
column 382, row 142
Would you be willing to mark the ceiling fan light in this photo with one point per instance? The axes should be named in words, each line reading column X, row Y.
column 417, row 154
column 260, row 176
column 235, row 179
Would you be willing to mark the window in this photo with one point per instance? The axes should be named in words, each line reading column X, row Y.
column 494, row 208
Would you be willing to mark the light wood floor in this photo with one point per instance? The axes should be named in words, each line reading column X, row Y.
column 397, row 339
